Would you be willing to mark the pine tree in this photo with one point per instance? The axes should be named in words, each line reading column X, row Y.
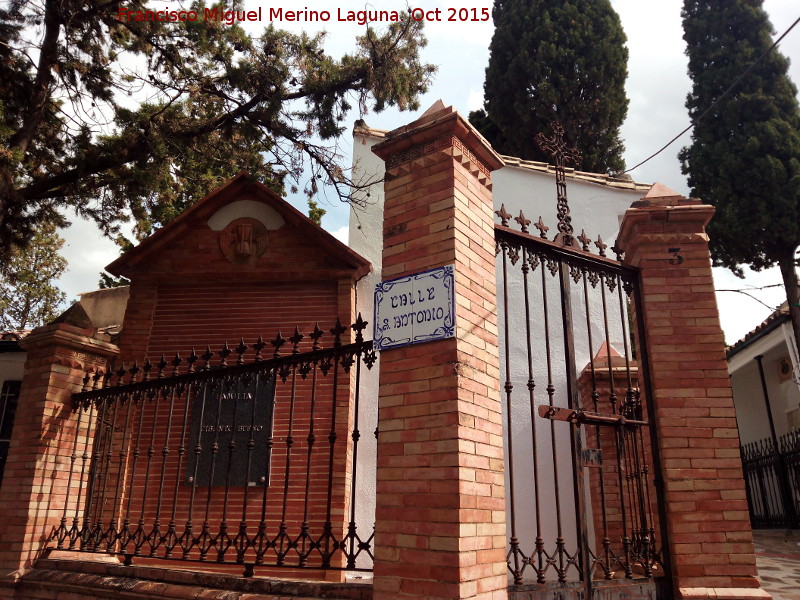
column 745, row 153
column 28, row 294
column 120, row 118
column 556, row 60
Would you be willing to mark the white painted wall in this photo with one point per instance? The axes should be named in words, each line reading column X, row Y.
column 595, row 207
column 366, row 238
column 748, row 395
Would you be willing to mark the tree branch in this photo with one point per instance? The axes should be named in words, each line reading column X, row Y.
column 40, row 95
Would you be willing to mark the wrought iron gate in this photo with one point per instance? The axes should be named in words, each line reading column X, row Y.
column 587, row 516
column 771, row 472
column 248, row 461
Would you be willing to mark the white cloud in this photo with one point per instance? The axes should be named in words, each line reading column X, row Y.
column 475, row 99
column 341, row 234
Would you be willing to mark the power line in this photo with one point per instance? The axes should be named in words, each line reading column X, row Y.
column 713, row 104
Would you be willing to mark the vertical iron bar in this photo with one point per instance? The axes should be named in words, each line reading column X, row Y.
column 532, row 401
column 618, row 435
column 287, row 469
column 82, row 531
column 514, row 542
column 156, row 533
column 630, row 480
column 223, row 540
column 351, row 530
column 63, row 532
column 121, row 478
column 562, row 576
column 151, row 450
column 310, row 439
column 107, row 468
column 328, row 528
column 205, row 542
column 171, row 535
column 576, row 439
column 631, row 409
column 261, row 536
column 188, row 540
column 643, row 545
column 644, row 357
column 135, row 462
column 595, row 395
column 95, row 472
column 648, row 530
column 242, row 536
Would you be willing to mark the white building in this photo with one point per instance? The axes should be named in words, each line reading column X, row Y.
column 769, row 349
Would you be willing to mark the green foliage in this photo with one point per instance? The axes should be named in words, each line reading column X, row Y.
column 109, row 281
column 745, row 154
column 28, row 295
column 123, row 120
column 556, row 60
column 315, row 211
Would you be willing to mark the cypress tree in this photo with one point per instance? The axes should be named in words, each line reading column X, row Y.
column 556, row 60
column 745, row 153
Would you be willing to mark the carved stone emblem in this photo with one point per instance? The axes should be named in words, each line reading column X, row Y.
column 243, row 241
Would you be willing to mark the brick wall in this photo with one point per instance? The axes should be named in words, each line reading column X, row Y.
column 440, row 522
column 36, row 483
column 185, row 294
column 710, row 541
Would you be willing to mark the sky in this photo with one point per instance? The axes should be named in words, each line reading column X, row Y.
column 657, row 86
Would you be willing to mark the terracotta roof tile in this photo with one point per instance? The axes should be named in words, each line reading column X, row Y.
column 778, row 316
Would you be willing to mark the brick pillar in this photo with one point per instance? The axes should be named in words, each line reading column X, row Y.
column 35, row 480
column 710, row 541
column 440, row 516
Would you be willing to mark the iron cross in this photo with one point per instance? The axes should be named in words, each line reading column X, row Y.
column 561, row 153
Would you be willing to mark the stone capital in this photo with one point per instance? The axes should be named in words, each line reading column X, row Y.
column 414, row 140
column 47, row 338
column 646, row 225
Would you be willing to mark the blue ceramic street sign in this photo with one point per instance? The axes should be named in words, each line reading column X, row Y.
column 415, row 308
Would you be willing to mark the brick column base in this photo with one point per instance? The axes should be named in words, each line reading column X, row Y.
column 34, row 488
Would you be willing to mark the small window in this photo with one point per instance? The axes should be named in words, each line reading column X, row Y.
column 9, row 394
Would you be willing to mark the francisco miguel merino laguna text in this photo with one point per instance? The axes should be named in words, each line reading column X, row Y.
column 361, row 17
column 275, row 14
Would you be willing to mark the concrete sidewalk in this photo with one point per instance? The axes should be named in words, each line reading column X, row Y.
column 778, row 561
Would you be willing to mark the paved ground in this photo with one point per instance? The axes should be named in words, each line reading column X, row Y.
column 778, row 559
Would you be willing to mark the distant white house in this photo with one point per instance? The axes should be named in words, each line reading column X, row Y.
column 768, row 350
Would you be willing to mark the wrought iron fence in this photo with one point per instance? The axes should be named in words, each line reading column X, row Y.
column 224, row 457
column 582, row 503
column 772, row 480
